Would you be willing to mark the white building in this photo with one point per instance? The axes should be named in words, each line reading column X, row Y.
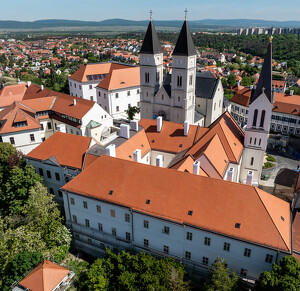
column 114, row 86
column 170, row 213
column 183, row 95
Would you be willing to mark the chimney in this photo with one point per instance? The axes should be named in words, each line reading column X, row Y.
column 159, row 161
column 134, row 125
column 249, row 178
column 291, row 92
column 124, row 131
column 137, row 156
column 186, row 128
column 159, row 121
column 230, row 174
column 111, row 150
column 28, row 83
column 42, row 87
column 74, row 102
column 196, row 167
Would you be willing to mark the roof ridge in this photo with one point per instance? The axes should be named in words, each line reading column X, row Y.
column 227, row 144
column 255, row 188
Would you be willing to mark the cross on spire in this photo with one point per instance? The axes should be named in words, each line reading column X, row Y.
column 150, row 15
column 185, row 12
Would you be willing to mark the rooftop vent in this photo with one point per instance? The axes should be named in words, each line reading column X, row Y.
column 282, row 218
column 190, row 212
column 153, row 141
column 111, row 192
column 237, row 225
column 180, row 145
column 147, row 201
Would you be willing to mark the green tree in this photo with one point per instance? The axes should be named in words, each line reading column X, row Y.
column 232, row 80
column 247, row 81
column 282, row 277
column 220, row 277
column 124, row 271
column 131, row 111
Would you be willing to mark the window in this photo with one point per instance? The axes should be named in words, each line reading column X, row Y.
column 262, row 118
column 207, row 241
column 49, row 125
column 92, row 98
column 114, row 231
column 147, row 78
column 178, row 99
column 117, row 95
column 162, row 97
column 259, row 143
column 250, row 140
column 71, row 130
column 85, row 205
column 247, row 252
column 179, row 81
column 226, row 246
column 269, row 259
column 71, row 84
column 98, row 208
column 255, row 117
column 48, row 174
column 79, row 86
column 42, row 127
column 91, row 87
column 255, row 141
column 157, row 76
column 117, row 108
column 127, row 217
column 41, row 172
column 112, row 213
column 219, row 103
column 205, row 261
column 166, row 230
column 75, row 218
column 146, row 243
column 51, row 191
column 127, row 235
column 99, row 93
column 128, row 93
column 104, row 95
column 138, row 91
column 77, row 235
column 146, row 224
column 189, row 235
column 75, row 85
column 57, row 176
column 188, row 255
column 166, row 249
column 191, row 80
column 87, row 223
column 244, row 272
column 100, row 226
column 72, row 201
column 89, row 240
column 59, row 193
column 12, row 140
column 252, row 161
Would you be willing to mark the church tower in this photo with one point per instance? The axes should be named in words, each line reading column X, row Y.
column 258, row 124
column 183, row 82
column 151, row 70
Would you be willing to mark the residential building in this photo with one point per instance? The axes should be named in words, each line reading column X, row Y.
column 114, row 86
column 164, row 212
column 47, row 276
column 181, row 95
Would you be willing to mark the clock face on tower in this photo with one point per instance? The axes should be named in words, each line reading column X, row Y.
column 179, row 62
column 146, row 60
column 191, row 62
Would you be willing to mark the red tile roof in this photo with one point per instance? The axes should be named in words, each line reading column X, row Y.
column 217, row 205
column 67, row 149
column 296, row 233
column 9, row 94
column 45, row 277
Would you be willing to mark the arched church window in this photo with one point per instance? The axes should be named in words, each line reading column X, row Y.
column 252, row 161
column 262, row 119
column 255, row 141
column 255, row 117
column 259, row 142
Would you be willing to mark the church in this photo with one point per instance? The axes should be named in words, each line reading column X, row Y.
column 184, row 94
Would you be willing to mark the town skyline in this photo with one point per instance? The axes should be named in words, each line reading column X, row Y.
column 166, row 10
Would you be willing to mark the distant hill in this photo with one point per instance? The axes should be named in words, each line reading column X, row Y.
column 50, row 23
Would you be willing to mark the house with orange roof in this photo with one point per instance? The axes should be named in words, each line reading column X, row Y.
column 47, row 276
column 124, row 204
column 114, row 86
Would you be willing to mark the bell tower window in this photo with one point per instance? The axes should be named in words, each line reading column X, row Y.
column 252, row 161
column 191, row 80
column 179, row 81
column 157, row 76
column 147, row 78
column 262, row 119
column 255, row 117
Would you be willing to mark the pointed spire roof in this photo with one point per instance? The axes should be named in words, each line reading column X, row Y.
column 264, row 84
column 151, row 44
column 185, row 45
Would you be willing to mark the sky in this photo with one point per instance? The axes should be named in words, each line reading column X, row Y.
column 97, row 10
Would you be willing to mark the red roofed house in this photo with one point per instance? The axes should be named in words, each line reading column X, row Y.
column 47, row 276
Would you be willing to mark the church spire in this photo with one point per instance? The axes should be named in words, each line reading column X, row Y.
column 264, row 84
column 185, row 45
column 151, row 44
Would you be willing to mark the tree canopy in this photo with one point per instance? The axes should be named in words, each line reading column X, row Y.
column 282, row 277
column 124, row 271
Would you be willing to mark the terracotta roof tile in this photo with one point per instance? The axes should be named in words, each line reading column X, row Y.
column 9, row 94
